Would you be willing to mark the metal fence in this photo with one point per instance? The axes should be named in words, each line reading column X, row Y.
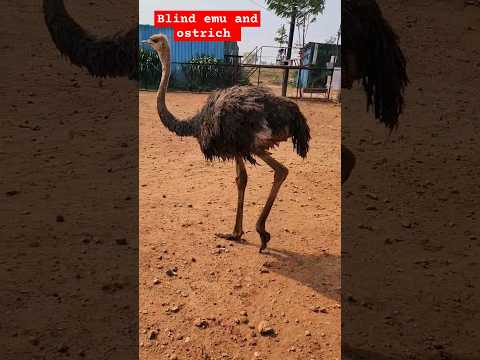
column 201, row 73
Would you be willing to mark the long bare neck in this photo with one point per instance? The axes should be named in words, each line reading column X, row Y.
column 179, row 127
column 114, row 56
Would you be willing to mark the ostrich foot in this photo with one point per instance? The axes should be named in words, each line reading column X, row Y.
column 265, row 237
column 231, row 237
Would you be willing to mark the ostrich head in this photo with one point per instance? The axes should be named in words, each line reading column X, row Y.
column 160, row 44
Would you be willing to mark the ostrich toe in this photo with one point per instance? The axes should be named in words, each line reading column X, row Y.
column 231, row 237
column 265, row 237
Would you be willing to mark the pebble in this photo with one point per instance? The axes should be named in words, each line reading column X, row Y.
column 152, row 335
column 174, row 309
column 201, row 323
column 264, row 329
column 308, row 333
column 244, row 320
column 171, row 272
column 156, row 281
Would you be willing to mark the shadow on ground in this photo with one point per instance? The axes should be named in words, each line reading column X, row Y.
column 319, row 272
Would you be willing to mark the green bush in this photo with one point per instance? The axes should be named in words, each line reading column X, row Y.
column 202, row 73
column 149, row 69
column 206, row 72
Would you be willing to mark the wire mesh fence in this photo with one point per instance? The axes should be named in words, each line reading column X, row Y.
column 207, row 73
column 201, row 73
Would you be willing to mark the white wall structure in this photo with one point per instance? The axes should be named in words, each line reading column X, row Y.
column 337, row 79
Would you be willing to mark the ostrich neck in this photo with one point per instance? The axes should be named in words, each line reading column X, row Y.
column 110, row 56
column 179, row 127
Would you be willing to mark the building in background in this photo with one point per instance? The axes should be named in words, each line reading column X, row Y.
column 184, row 51
column 325, row 58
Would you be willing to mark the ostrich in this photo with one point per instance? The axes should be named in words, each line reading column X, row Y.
column 235, row 124
column 238, row 123
column 371, row 53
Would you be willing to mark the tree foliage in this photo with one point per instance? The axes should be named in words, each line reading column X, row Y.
column 331, row 40
column 303, row 24
column 298, row 11
column 281, row 36
column 299, row 8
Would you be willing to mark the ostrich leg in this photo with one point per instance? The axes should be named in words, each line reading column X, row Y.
column 241, row 181
column 280, row 175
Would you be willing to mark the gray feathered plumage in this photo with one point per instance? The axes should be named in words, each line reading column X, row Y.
column 380, row 60
column 244, row 120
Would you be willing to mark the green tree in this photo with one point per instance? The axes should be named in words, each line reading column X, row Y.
column 303, row 24
column 295, row 10
column 331, row 40
column 281, row 36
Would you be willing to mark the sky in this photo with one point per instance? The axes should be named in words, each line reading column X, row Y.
column 326, row 26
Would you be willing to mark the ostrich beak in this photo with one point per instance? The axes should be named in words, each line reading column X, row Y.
column 145, row 42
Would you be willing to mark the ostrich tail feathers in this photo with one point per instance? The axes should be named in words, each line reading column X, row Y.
column 300, row 134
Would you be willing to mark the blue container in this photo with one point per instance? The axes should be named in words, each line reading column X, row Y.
column 184, row 51
column 319, row 55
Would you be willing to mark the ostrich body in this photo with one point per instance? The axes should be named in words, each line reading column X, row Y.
column 238, row 123
column 371, row 53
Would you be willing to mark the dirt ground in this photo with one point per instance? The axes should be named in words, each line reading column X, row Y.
column 410, row 223
column 429, row 166
column 204, row 298
column 68, row 288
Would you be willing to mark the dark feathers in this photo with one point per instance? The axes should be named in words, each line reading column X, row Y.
column 382, row 65
column 108, row 57
column 245, row 120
